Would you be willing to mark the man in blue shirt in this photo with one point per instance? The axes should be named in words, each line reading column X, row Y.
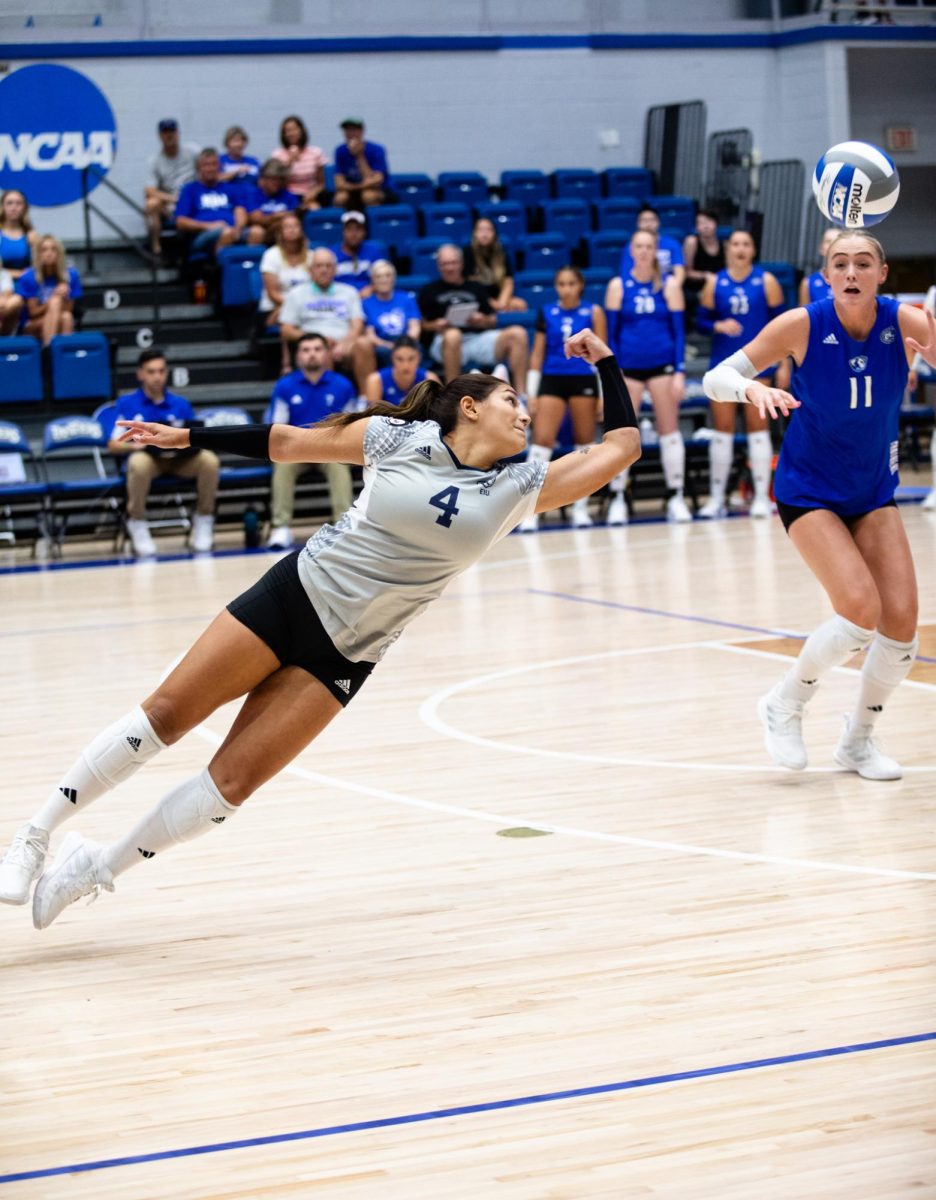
column 311, row 393
column 361, row 173
column 152, row 402
column 209, row 211
column 356, row 254
column 267, row 203
column 669, row 251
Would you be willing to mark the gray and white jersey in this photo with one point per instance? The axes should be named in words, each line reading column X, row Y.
column 421, row 519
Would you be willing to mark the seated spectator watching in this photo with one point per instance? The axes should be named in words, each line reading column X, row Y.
column 208, row 211
column 49, row 290
column 17, row 236
column 169, row 171
column 361, row 173
column 311, row 393
column 305, row 163
column 391, row 384
column 331, row 309
column 703, row 252
column 236, row 166
column 151, row 402
column 268, row 203
column 283, row 267
column 389, row 313
column 356, row 255
column 11, row 304
column 488, row 262
column 669, row 251
column 459, row 324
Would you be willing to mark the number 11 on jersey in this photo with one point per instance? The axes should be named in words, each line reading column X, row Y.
column 854, row 392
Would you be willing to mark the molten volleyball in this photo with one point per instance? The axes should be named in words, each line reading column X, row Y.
column 855, row 184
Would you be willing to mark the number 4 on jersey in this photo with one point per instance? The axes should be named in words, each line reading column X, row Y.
column 447, row 500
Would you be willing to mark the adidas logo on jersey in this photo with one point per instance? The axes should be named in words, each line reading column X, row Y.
column 425, row 451
column 147, row 853
column 345, row 685
column 830, row 340
column 70, row 794
column 134, row 743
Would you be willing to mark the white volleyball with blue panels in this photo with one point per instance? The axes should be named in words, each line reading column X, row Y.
column 856, row 185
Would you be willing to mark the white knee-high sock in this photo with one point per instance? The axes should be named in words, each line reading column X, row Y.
column 887, row 664
column 720, row 455
column 539, row 454
column 673, row 456
column 187, row 811
column 826, row 647
column 760, row 454
column 114, row 755
column 619, row 483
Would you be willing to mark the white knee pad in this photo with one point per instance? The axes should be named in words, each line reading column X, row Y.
column 122, row 748
column 889, row 662
column 190, row 808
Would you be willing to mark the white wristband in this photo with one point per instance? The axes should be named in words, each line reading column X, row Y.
column 729, row 380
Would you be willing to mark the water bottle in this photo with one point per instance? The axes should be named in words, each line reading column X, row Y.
column 251, row 527
column 200, row 291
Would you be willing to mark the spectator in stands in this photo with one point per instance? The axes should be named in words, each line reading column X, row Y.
column 306, row 164
column 356, row 254
column 460, row 325
column 669, row 251
column 646, row 311
column 284, row 266
column 11, row 304
column 311, row 393
column 236, row 166
column 389, row 314
column 209, row 211
column 391, row 384
column 488, row 262
column 268, row 203
column 152, row 402
column 49, row 290
column 815, row 286
column 703, row 252
column 169, row 171
column 17, row 236
column 331, row 309
column 361, row 173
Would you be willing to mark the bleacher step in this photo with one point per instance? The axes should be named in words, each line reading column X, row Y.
column 221, row 372
column 187, row 353
column 143, row 315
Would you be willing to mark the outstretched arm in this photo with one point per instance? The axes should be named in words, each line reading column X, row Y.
column 733, row 381
column 278, row 443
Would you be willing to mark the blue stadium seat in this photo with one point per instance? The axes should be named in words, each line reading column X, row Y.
column 467, row 187
column 323, row 226
column 413, row 283
column 447, row 220
column 79, row 484
column 577, row 184
column 676, row 212
column 605, row 249
column 80, row 366
column 544, row 251
column 509, row 217
column 530, row 188
column 785, row 275
column 594, row 293
column 393, row 224
column 413, row 189
column 636, row 182
column 525, row 318
column 617, row 212
column 421, row 253
column 536, row 287
column 241, row 282
column 569, row 217
column 20, row 370
column 602, row 275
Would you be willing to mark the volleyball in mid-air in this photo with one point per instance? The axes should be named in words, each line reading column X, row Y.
column 855, row 184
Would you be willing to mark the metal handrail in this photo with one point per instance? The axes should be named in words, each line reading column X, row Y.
column 150, row 260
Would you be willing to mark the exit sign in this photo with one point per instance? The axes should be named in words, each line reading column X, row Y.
column 901, row 138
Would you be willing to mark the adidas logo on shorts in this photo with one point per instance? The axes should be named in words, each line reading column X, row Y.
column 425, row 451
column 70, row 794
column 134, row 743
column 830, row 340
column 345, row 685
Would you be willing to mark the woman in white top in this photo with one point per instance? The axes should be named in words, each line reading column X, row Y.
column 284, row 266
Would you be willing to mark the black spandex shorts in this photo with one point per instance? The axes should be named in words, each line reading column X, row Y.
column 788, row 513
column 567, row 386
column 642, row 374
column 278, row 610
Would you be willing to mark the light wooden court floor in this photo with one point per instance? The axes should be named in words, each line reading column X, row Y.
column 685, row 974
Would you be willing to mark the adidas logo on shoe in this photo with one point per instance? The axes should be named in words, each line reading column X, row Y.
column 147, row 853
column 218, row 820
column 830, row 340
column 134, row 743
column 425, row 451
column 70, row 794
column 345, row 685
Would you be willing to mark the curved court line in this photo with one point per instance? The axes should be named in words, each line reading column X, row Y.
column 464, row 1110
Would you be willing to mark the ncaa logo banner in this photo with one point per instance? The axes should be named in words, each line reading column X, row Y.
column 54, row 122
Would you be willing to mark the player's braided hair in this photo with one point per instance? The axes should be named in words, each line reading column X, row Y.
column 428, row 401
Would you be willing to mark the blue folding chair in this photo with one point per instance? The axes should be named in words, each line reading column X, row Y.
column 616, row 212
column 20, row 371
column 241, row 281
column 233, row 475
column 80, row 364
column 323, row 226
column 572, row 218
column 636, row 182
column 466, row 187
column 447, row 220
column 605, row 249
column 543, row 251
column 508, row 216
column 576, row 184
column 393, row 224
column 24, row 491
column 414, row 189
column 529, row 188
column 81, row 490
column 536, row 287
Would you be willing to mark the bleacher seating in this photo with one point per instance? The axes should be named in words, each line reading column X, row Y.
column 535, row 287
column 616, row 212
column 421, row 253
column 636, row 182
column 20, row 371
column 241, row 281
column 605, row 249
column 449, row 220
column 543, row 251
column 508, row 216
column 80, row 367
column 676, row 212
column 414, row 189
column 413, row 283
column 323, row 226
column 466, row 187
column 572, row 218
column 786, row 277
column 584, row 184
column 529, row 188
column 393, row 224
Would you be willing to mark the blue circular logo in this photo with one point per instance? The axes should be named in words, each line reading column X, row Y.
column 54, row 122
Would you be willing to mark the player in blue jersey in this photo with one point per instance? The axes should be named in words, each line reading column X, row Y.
column 735, row 306
column 669, row 250
column 835, row 485
column 390, row 385
column 645, row 322
column 556, row 385
column 815, row 286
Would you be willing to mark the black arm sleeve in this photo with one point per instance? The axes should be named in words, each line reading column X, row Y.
column 250, row 441
column 618, row 410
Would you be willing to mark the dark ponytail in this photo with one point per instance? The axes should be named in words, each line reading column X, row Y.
column 427, row 401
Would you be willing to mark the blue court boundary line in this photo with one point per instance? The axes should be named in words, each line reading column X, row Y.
column 463, row 1110
column 471, row 43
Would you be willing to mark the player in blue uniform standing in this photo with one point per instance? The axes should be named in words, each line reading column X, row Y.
column 815, row 286
column 835, row 486
column 392, row 384
column 557, row 385
column 735, row 306
column 645, row 320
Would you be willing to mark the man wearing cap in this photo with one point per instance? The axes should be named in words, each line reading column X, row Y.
column 356, row 255
column 361, row 173
column 167, row 172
